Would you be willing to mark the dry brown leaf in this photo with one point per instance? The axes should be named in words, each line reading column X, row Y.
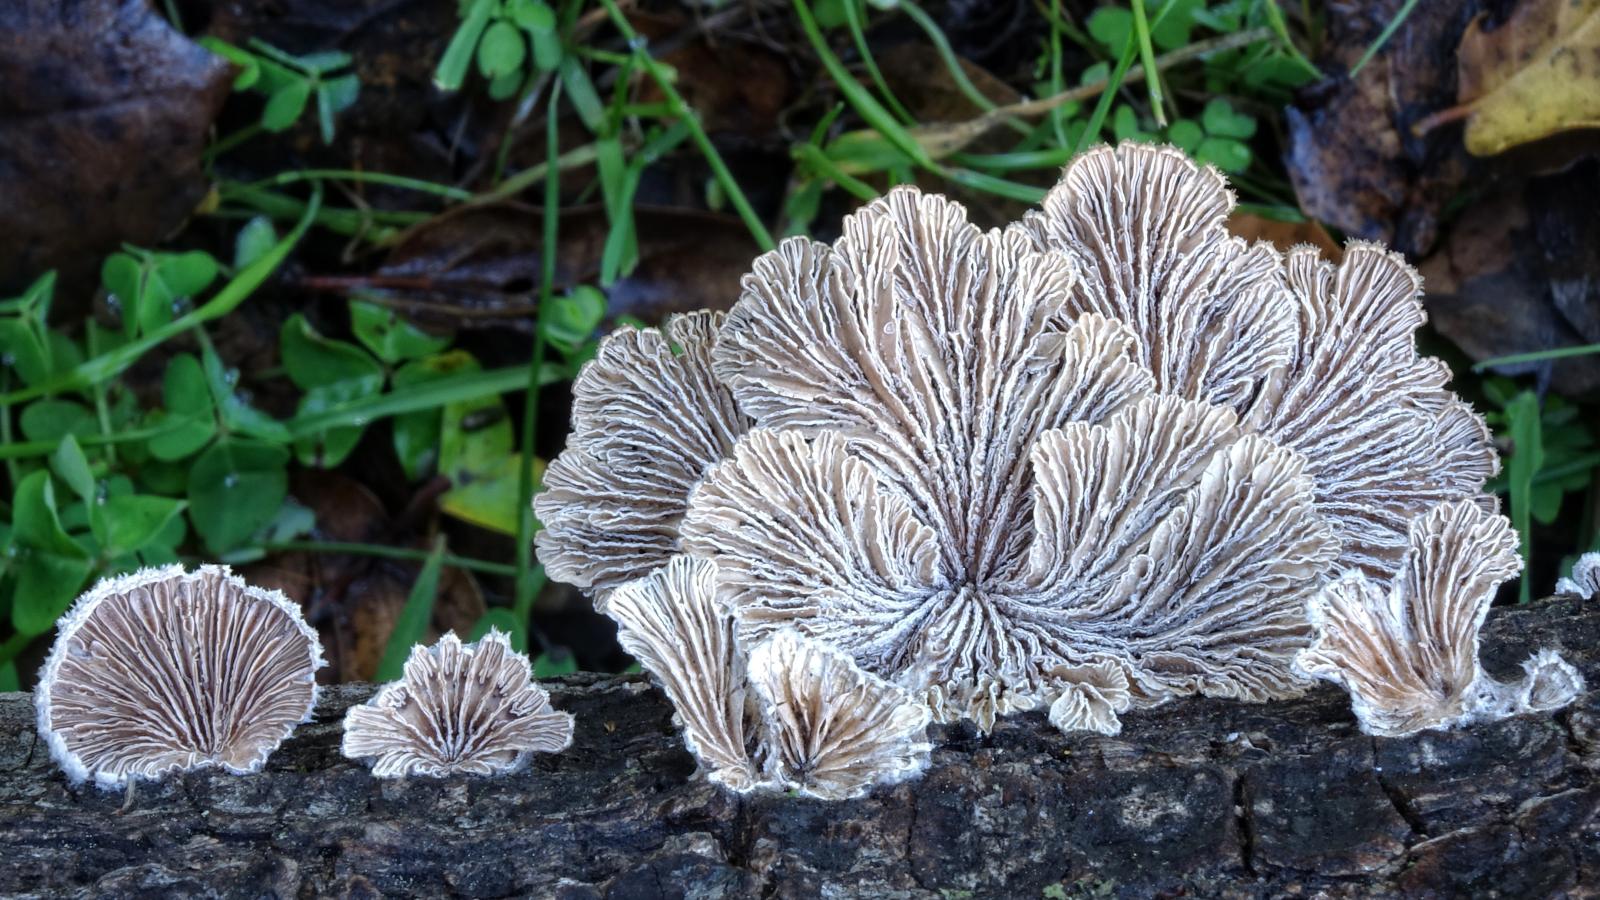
column 1285, row 235
column 1352, row 157
column 1515, row 276
column 1535, row 75
column 479, row 267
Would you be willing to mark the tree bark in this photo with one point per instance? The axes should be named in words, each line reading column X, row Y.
column 1197, row 798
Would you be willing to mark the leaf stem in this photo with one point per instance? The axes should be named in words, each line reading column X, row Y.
column 383, row 550
column 1536, row 356
column 1383, row 38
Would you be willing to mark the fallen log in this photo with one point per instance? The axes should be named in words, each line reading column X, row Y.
column 1199, row 798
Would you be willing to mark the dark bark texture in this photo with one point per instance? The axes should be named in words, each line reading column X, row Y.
column 1199, row 798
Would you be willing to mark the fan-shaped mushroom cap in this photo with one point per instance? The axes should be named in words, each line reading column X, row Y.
column 1091, row 697
column 673, row 624
column 1383, row 438
column 648, row 419
column 1585, row 581
column 904, row 381
column 162, row 671
column 1317, row 357
column 1551, row 682
column 822, row 726
column 832, row 730
column 1160, row 539
column 1408, row 652
column 469, row 709
column 1147, row 227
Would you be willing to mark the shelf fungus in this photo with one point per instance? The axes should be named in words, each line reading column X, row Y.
column 936, row 464
column 1584, row 582
column 459, row 709
column 164, row 671
column 1407, row 651
column 648, row 419
column 1320, row 358
column 792, row 714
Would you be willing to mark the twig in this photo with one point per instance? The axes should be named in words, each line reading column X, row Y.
column 956, row 136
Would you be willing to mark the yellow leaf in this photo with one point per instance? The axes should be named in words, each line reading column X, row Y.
column 1536, row 75
column 487, row 495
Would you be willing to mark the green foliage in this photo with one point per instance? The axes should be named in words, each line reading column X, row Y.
column 149, row 289
column 101, row 483
column 1255, row 62
column 289, row 83
column 51, row 565
column 1551, row 457
column 506, row 40
column 412, row 623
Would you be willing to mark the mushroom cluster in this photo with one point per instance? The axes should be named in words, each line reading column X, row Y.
column 1099, row 459
column 166, row 671
column 792, row 714
column 1408, row 651
column 1096, row 460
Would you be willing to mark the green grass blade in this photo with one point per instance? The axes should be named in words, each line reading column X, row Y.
column 1147, row 57
column 1383, row 37
column 1537, row 356
column 852, row 15
column 1527, row 457
column 107, row 365
column 457, row 58
column 412, row 624
column 856, row 94
column 428, row 395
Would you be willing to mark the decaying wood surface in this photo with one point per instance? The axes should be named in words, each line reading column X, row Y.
column 1198, row 798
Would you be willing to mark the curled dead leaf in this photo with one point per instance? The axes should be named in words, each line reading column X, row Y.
column 1535, row 75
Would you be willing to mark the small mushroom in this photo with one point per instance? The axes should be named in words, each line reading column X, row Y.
column 672, row 623
column 793, row 714
column 1091, row 697
column 1408, row 651
column 163, row 671
column 1584, row 582
column 832, row 730
column 1363, row 407
column 459, row 709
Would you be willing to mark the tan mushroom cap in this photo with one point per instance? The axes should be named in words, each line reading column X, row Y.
column 1384, row 439
column 648, row 419
column 163, row 671
column 898, row 443
column 672, row 623
column 1160, row 539
column 1407, row 651
column 1147, row 228
column 832, row 730
column 1091, row 697
column 471, row 709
